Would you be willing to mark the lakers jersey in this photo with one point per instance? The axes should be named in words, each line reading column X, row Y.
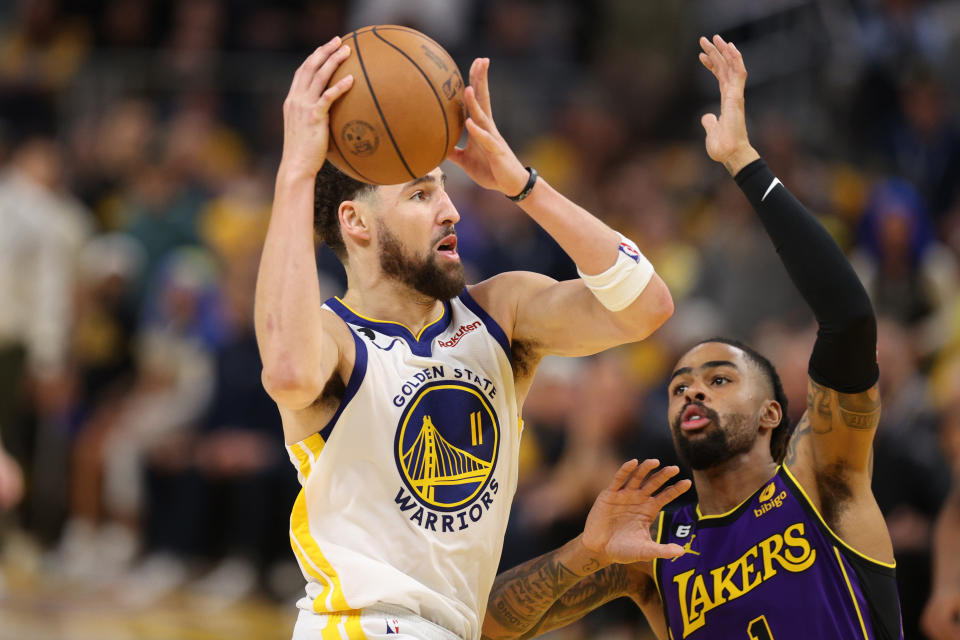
column 772, row 569
column 406, row 492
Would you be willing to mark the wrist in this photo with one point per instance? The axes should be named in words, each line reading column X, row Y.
column 740, row 158
column 517, row 182
column 292, row 172
column 583, row 560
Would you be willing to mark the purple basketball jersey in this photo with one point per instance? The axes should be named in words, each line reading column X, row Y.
column 772, row 569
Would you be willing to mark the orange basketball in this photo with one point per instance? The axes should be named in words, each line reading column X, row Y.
column 405, row 111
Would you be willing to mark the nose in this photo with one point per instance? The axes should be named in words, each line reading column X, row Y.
column 448, row 212
column 694, row 392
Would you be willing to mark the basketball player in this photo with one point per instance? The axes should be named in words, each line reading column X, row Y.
column 401, row 400
column 787, row 541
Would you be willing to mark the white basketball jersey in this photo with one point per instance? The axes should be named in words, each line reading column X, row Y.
column 407, row 491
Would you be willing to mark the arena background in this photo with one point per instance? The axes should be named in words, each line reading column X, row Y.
column 138, row 145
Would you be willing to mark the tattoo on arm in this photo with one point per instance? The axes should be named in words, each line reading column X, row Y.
column 583, row 597
column 803, row 428
column 522, row 595
column 859, row 411
column 818, row 401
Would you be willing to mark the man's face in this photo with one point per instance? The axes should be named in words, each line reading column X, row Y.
column 716, row 397
column 417, row 241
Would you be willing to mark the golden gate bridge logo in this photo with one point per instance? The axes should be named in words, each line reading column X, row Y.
column 446, row 444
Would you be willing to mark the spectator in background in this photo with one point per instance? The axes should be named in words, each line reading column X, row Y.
column 908, row 273
column 42, row 229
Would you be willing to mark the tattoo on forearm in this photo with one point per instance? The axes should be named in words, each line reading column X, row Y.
column 583, row 597
column 521, row 596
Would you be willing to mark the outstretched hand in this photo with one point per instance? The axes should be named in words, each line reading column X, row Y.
column 618, row 526
column 727, row 140
column 487, row 158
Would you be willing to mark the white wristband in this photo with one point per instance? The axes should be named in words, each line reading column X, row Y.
column 617, row 287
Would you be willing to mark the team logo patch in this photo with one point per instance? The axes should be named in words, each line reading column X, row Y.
column 446, row 444
column 767, row 493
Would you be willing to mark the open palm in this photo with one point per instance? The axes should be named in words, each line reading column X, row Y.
column 618, row 526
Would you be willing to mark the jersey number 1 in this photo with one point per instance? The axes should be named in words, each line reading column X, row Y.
column 759, row 629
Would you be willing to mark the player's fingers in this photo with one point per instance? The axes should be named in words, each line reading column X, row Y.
column 475, row 109
column 718, row 64
column 321, row 76
column 709, row 122
column 484, row 94
column 640, row 475
column 304, row 74
column 622, row 474
column 339, row 88
column 671, row 493
column 658, row 479
column 483, row 138
column 667, row 551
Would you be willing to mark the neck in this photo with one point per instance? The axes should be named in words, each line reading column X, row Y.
column 723, row 487
column 382, row 298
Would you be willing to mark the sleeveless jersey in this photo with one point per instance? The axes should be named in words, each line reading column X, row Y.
column 771, row 569
column 406, row 492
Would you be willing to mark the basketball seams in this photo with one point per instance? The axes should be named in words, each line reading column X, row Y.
column 443, row 111
column 376, row 103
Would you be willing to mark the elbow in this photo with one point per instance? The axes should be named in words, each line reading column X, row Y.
column 649, row 311
column 289, row 387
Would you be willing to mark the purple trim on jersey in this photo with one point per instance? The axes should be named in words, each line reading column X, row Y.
column 353, row 384
column 492, row 327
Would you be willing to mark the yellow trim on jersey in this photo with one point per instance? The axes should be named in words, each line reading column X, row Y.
column 700, row 516
column 416, row 337
column 331, row 630
column 656, row 580
column 853, row 596
column 331, row 597
column 831, row 531
column 306, row 452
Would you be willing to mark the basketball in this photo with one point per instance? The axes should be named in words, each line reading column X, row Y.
column 405, row 111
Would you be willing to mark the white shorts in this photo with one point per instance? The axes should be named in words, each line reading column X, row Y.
column 382, row 622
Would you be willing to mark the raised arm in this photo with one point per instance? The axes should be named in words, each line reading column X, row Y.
column 600, row 565
column 562, row 318
column 299, row 355
column 830, row 453
column 941, row 616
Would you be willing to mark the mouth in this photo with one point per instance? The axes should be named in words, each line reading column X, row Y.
column 447, row 247
column 694, row 418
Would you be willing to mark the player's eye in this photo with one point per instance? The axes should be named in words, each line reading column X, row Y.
column 419, row 195
column 719, row 380
column 680, row 388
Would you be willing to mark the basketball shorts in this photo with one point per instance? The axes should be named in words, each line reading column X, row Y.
column 382, row 622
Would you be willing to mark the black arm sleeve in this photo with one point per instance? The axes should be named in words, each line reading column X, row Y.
column 845, row 354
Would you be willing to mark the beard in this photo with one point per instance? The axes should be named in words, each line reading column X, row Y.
column 425, row 274
column 718, row 444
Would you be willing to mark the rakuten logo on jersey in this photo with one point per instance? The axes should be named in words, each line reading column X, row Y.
column 462, row 331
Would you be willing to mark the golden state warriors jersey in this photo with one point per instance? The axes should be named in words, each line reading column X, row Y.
column 406, row 492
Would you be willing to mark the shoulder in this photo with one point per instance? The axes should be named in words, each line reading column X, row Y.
column 501, row 295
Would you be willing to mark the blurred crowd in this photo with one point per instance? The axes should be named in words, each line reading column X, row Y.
column 138, row 143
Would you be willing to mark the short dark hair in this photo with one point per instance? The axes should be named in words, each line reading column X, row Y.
column 331, row 188
column 781, row 435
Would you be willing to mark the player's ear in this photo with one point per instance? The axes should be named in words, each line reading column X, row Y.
column 771, row 414
column 355, row 221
